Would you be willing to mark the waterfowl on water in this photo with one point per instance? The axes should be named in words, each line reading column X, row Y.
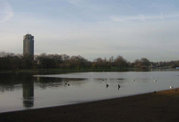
column 66, row 83
column 155, row 80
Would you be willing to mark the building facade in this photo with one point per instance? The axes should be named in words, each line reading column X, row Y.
column 28, row 45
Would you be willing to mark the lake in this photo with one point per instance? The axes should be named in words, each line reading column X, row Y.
column 19, row 92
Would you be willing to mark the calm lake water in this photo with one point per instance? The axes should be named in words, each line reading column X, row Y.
column 19, row 92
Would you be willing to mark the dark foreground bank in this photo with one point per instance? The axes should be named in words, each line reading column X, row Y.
column 153, row 107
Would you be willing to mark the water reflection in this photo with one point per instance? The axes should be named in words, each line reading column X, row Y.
column 17, row 91
column 28, row 93
column 49, row 82
column 9, row 82
column 28, row 86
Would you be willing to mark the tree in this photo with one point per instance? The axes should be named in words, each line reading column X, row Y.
column 143, row 63
column 120, row 62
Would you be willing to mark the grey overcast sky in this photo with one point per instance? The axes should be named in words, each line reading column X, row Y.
column 93, row 28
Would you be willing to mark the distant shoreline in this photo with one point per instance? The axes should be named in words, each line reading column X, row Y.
column 154, row 107
column 59, row 71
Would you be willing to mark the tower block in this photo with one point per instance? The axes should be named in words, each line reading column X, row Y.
column 28, row 46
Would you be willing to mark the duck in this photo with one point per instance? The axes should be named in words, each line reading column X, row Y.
column 66, row 82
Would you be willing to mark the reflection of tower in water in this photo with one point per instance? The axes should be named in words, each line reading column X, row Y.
column 28, row 94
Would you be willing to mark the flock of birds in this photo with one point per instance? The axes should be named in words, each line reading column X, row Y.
column 107, row 85
column 118, row 85
column 171, row 87
column 67, row 83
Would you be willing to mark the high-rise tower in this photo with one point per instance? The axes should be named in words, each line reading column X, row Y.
column 28, row 45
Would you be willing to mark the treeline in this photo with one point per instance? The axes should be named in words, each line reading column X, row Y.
column 46, row 61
